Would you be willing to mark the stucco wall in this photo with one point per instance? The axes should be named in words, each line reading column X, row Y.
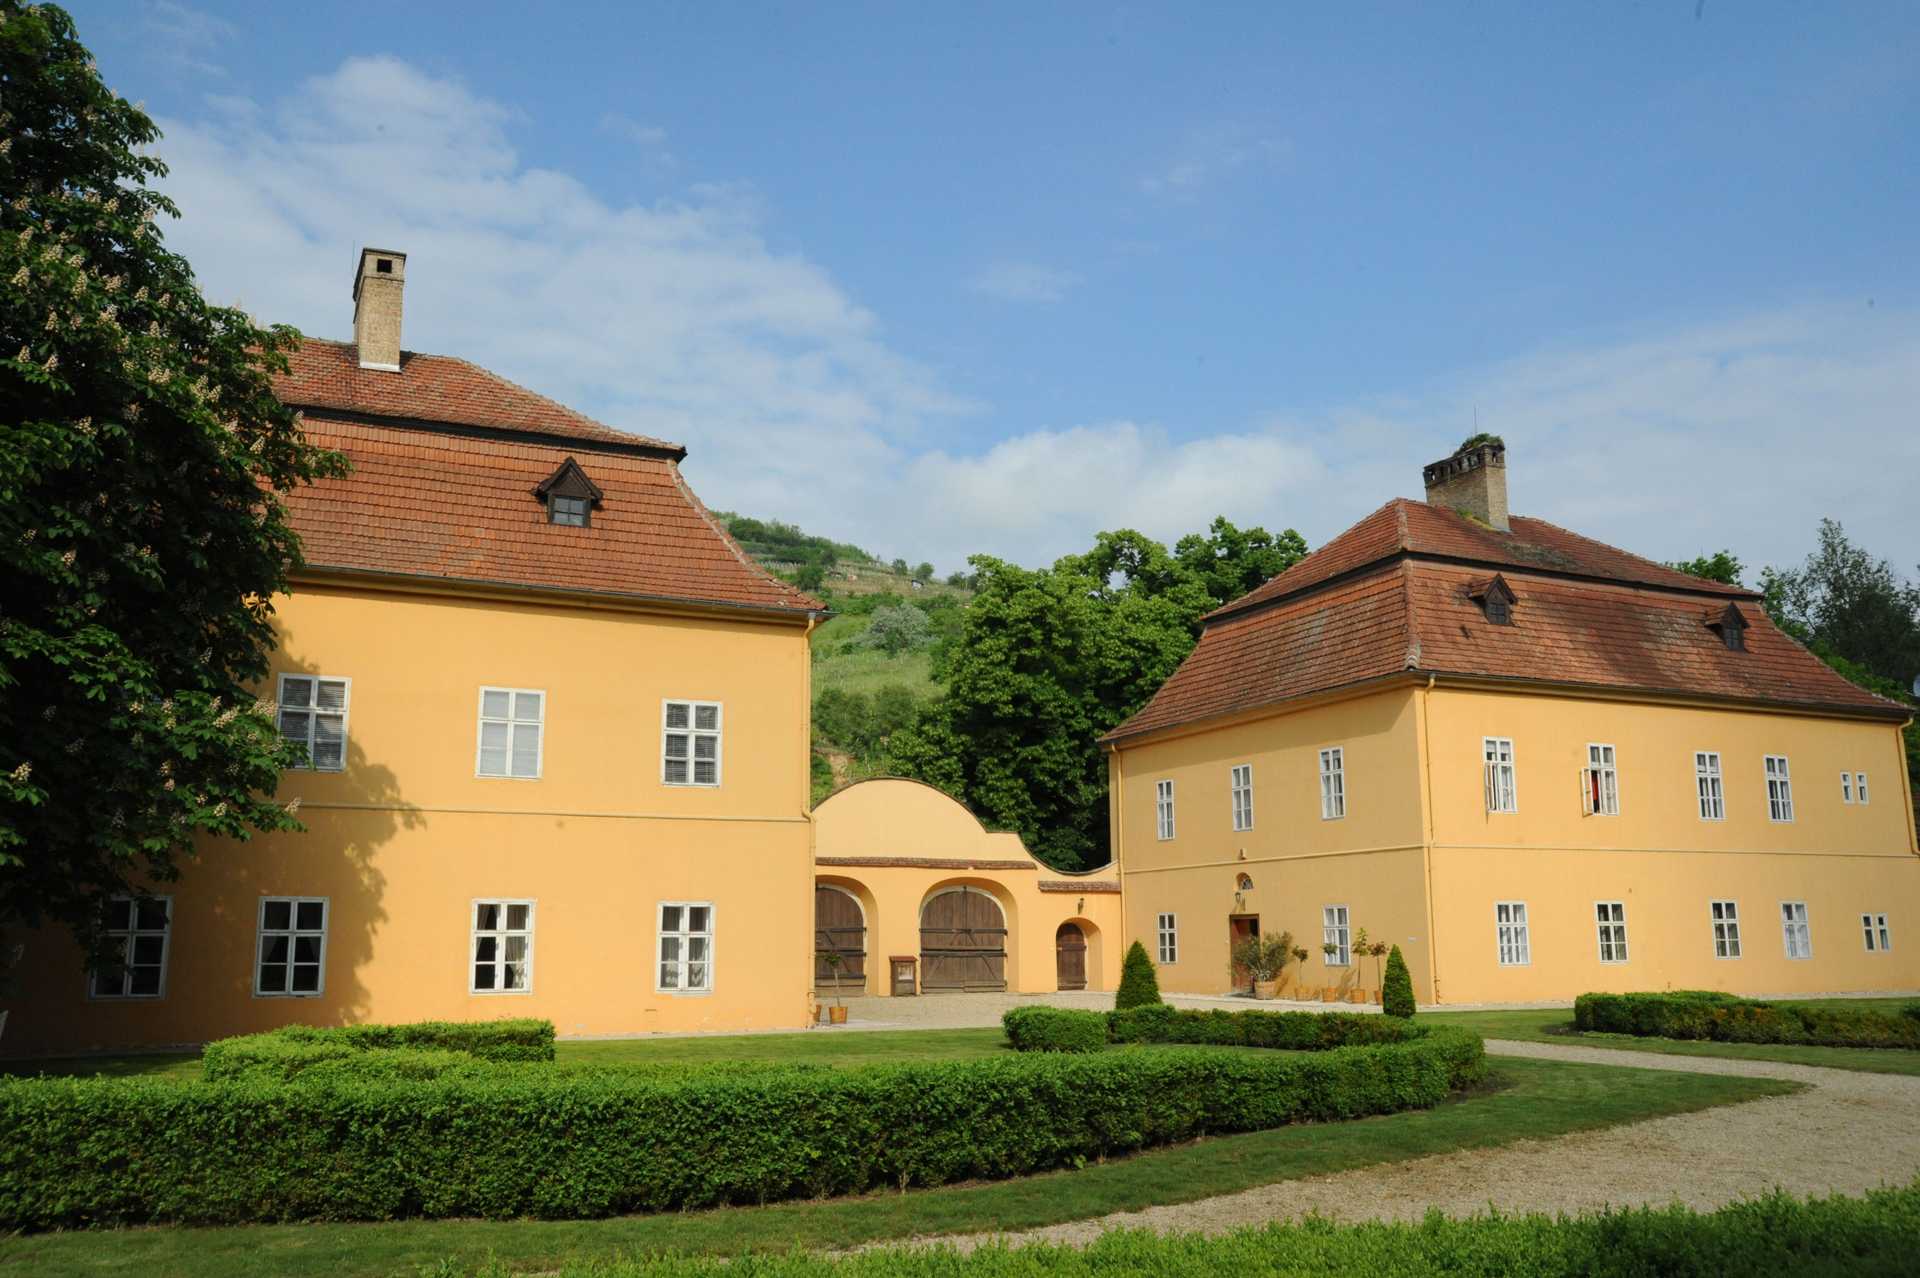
column 890, row 824
column 406, row 837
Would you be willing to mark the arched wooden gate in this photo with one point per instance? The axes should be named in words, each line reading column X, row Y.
column 1070, row 956
column 839, row 927
column 963, row 942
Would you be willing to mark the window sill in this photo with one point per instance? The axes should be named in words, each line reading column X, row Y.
column 500, row 993
column 684, row 993
column 288, row 994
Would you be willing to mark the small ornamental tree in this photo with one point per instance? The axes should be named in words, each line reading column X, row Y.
column 143, row 457
column 1139, row 986
column 1396, row 991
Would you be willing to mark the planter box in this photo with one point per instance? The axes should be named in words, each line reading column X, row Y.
column 837, row 1015
column 1356, row 995
column 1330, row 995
column 1266, row 989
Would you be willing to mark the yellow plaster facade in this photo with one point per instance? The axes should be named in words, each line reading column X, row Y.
column 405, row 839
column 894, row 845
column 1418, row 860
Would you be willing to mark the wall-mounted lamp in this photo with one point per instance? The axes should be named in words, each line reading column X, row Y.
column 1080, row 906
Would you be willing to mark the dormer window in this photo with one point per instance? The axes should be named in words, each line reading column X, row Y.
column 1495, row 598
column 1731, row 626
column 569, row 496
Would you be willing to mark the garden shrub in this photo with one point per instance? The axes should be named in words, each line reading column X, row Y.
column 1139, row 985
column 1757, row 1238
column 1054, row 1029
column 1396, row 988
column 556, row 1143
column 1708, row 1014
column 292, row 1049
column 1286, row 1031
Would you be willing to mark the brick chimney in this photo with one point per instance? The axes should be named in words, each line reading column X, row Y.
column 376, row 308
column 1473, row 481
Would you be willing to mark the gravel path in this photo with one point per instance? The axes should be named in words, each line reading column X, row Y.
column 1847, row 1132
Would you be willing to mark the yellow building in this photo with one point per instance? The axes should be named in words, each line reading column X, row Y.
column 558, row 724
column 1538, row 764
column 916, row 896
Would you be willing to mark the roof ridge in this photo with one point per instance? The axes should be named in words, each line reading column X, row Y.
column 1706, row 585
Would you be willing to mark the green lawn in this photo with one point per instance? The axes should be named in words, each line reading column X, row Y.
column 1524, row 1100
column 1555, row 1025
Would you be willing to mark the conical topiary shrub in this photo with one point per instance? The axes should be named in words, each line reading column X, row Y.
column 1139, row 987
column 1396, row 989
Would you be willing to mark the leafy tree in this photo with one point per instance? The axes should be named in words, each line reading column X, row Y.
column 903, row 628
column 899, row 567
column 923, row 573
column 1139, row 984
column 1230, row 562
column 1048, row 660
column 957, row 579
column 1722, row 566
column 1853, row 604
column 142, row 534
column 810, row 577
column 1396, row 988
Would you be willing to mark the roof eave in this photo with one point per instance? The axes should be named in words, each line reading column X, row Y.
column 660, row 451
column 425, row 583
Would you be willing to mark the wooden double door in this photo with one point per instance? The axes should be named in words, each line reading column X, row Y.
column 839, row 928
column 963, row 942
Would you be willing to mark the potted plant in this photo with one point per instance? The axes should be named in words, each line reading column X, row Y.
column 1279, row 954
column 1332, row 990
column 1378, row 951
column 1357, row 993
column 1261, row 958
column 1300, row 964
column 837, row 1014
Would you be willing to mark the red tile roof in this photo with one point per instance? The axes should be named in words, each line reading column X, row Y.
column 1382, row 601
column 431, row 497
column 1403, row 526
column 435, row 388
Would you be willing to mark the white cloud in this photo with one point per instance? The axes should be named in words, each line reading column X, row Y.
column 650, row 139
column 676, row 318
column 1023, row 282
column 185, row 38
column 1213, row 154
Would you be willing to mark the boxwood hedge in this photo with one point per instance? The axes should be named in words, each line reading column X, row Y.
column 557, row 1143
column 427, row 1048
column 1053, row 1029
column 1697, row 1014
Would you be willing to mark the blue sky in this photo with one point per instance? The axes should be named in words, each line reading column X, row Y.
column 995, row 277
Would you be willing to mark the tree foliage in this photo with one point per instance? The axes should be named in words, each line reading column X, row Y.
column 1049, row 660
column 1396, row 987
column 897, row 629
column 1139, row 983
column 1722, row 566
column 142, row 533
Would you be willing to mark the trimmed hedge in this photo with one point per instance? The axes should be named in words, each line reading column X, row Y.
column 1769, row 1236
column 561, row 1144
column 1054, row 1029
column 1396, row 988
column 428, row 1049
column 1139, row 984
column 1708, row 1014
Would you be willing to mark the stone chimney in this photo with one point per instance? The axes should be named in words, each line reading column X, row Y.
column 1473, row 481
column 376, row 308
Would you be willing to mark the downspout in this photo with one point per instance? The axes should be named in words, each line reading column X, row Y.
column 806, row 808
column 1426, row 830
column 1900, row 770
column 1116, row 832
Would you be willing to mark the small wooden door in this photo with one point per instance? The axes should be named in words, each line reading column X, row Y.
column 1070, row 950
column 838, row 928
column 1239, row 928
column 963, row 942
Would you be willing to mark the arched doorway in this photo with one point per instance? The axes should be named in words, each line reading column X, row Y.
column 1070, row 956
column 963, row 942
column 839, row 927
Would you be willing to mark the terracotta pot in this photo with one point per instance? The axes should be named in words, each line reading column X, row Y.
column 1266, row 989
column 1373, row 996
column 1329, row 994
column 1356, row 995
column 838, row 1015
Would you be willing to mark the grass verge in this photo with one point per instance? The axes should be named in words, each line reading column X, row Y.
column 1525, row 1100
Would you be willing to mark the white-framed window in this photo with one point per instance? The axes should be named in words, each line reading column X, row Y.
column 1334, row 931
column 313, row 715
column 502, row 947
column 1600, row 782
column 1846, row 787
column 1706, row 780
column 1163, row 808
column 290, row 959
column 139, row 935
column 1242, row 784
column 686, row 947
column 1510, row 929
column 690, row 743
column 1879, row 936
column 1333, row 783
column 1726, row 928
column 1610, row 919
column 1859, row 787
column 1502, row 793
column 1795, row 934
column 1779, row 789
column 1168, row 928
column 512, row 736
